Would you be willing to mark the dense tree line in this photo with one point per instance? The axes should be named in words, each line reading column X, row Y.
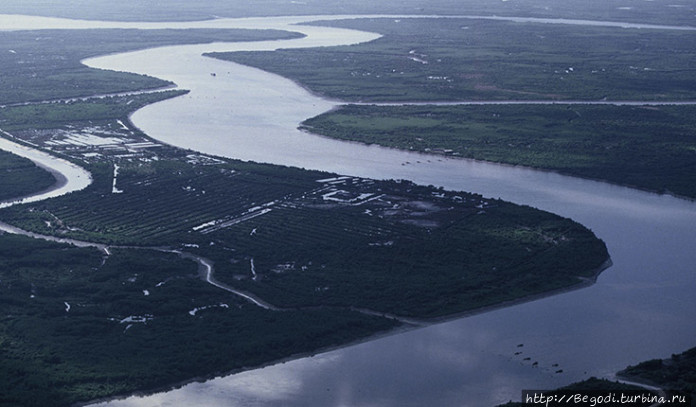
column 651, row 148
column 20, row 177
column 467, row 59
column 115, row 339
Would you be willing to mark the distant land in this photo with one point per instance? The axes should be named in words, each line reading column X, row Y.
column 649, row 147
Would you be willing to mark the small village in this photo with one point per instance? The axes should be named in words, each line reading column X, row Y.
column 110, row 141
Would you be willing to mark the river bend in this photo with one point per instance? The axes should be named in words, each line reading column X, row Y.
column 640, row 308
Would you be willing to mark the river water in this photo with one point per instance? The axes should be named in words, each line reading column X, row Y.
column 69, row 177
column 642, row 307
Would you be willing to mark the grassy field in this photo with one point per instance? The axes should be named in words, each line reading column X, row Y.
column 465, row 59
column 651, row 148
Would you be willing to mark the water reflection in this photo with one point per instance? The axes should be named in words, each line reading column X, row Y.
column 640, row 308
column 69, row 177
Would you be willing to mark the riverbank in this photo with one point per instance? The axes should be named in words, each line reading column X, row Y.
column 588, row 310
column 69, row 176
column 646, row 147
column 405, row 328
column 676, row 373
column 130, row 183
column 595, row 204
column 584, row 283
column 329, row 348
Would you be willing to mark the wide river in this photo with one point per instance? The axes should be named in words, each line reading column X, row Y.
column 642, row 307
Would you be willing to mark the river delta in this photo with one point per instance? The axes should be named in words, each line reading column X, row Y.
column 641, row 307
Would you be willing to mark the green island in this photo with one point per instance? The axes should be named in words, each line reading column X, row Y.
column 648, row 147
column 337, row 259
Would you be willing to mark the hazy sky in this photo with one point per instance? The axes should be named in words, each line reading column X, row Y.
column 681, row 12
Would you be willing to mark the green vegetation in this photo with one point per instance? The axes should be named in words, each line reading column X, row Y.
column 651, row 148
column 44, row 65
column 19, row 177
column 405, row 251
column 647, row 147
column 466, row 59
column 50, row 115
column 323, row 247
column 77, row 325
column 165, row 192
column 676, row 373
column 316, row 246
column 454, row 259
